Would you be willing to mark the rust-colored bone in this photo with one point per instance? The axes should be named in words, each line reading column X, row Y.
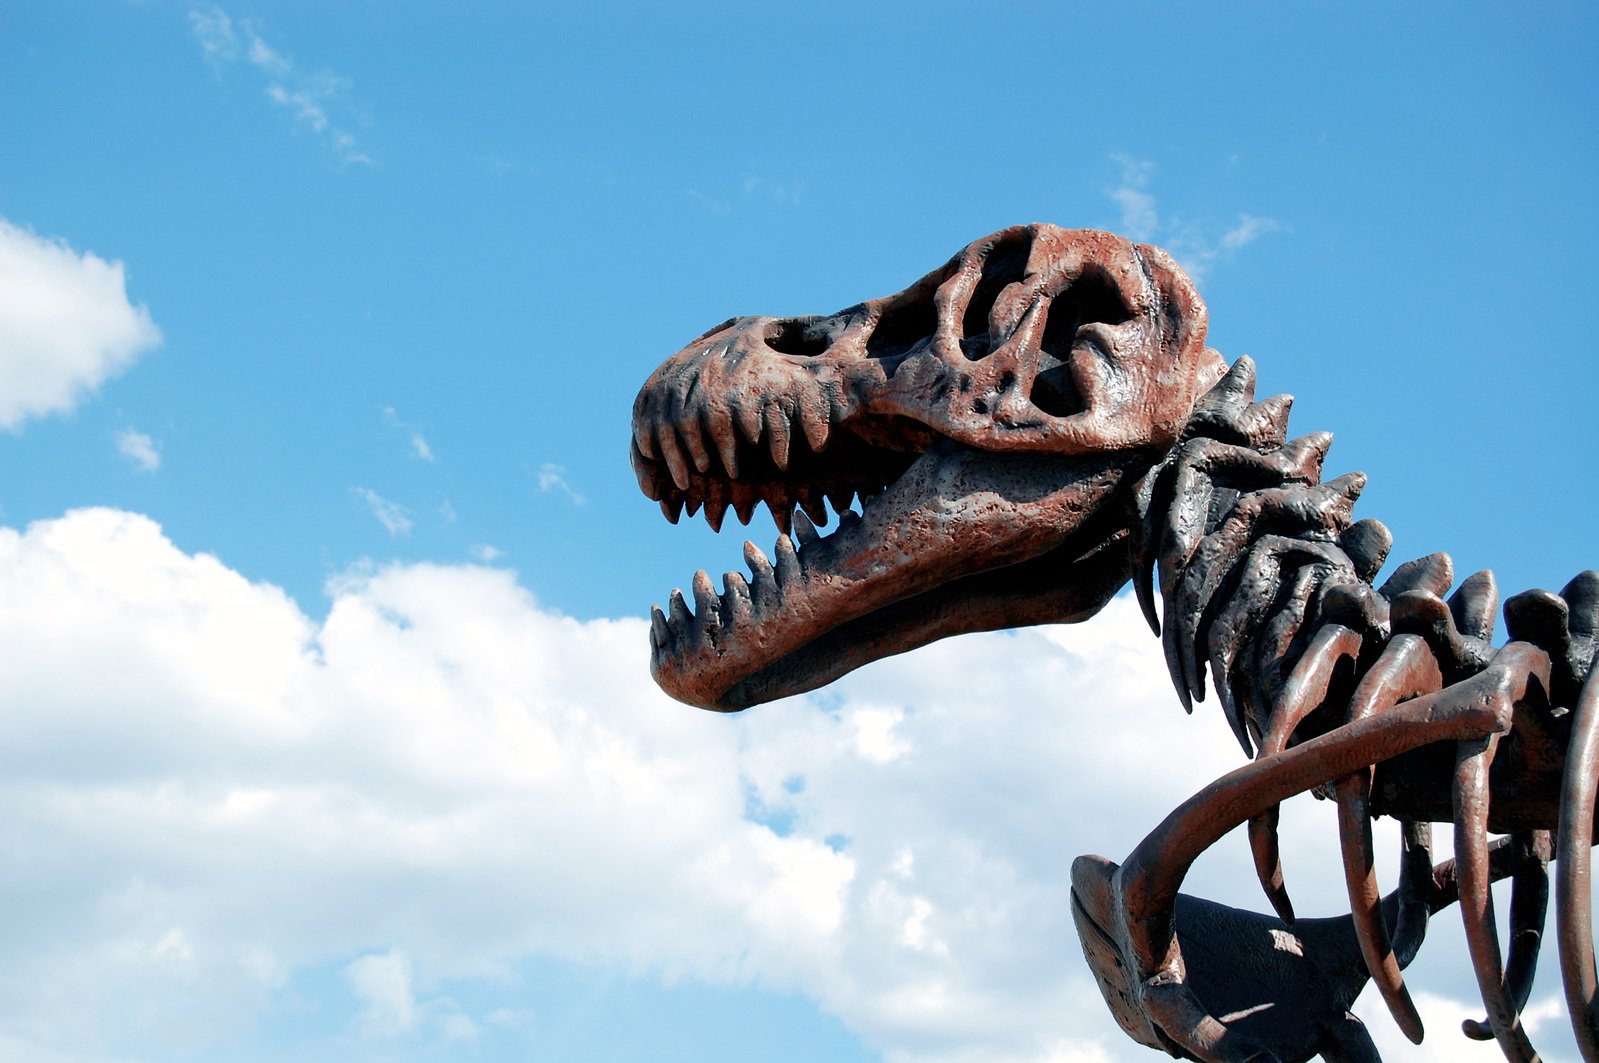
column 1022, row 432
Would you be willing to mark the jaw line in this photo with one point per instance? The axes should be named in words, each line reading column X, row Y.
column 964, row 540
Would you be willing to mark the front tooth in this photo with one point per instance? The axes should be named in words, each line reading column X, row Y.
column 682, row 619
column 693, row 504
column 667, row 439
column 848, row 520
column 788, row 564
column 777, row 433
column 660, row 634
column 705, row 600
column 672, row 508
column 644, row 436
column 644, row 469
column 804, row 530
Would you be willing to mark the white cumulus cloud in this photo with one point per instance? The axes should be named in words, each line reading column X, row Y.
column 441, row 779
column 66, row 325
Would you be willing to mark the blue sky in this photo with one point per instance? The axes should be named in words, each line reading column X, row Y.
column 330, row 734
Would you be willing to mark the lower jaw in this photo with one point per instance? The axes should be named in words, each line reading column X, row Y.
column 1065, row 585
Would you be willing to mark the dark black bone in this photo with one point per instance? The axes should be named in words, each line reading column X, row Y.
column 1323, row 508
column 1259, row 580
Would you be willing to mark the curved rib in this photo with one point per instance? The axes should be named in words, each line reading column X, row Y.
column 1529, row 903
column 1365, row 911
column 1476, row 899
column 1146, row 885
column 1406, row 668
column 1573, row 890
column 1304, row 692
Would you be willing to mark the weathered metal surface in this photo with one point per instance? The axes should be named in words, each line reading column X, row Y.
column 1034, row 424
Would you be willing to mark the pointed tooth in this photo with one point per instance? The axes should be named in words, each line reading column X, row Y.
column 814, row 424
column 744, row 502
column 660, row 634
column 644, row 469
column 672, row 508
column 804, row 530
column 763, row 591
column 736, row 604
column 681, row 618
column 705, row 601
column 777, row 433
column 788, row 565
column 693, row 435
column 715, row 510
column 667, row 438
column 716, row 494
column 720, row 426
column 748, row 417
column 781, row 510
column 816, row 508
column 848, row 520
column 692, row 503
column 644, row 436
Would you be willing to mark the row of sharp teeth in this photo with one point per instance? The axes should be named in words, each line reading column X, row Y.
column 742, row 601
column 810, row 507
column 667, row 440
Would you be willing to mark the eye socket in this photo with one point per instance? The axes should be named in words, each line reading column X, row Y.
column 1005, row 264
column 798, row 337
column 1091, row 298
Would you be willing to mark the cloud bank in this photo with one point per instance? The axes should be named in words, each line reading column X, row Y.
column 66, row 325
column 208, row 793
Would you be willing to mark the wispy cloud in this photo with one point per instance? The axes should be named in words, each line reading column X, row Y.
column 139, row 449
column 395, row 518
column 312, row 97
column 1140, row 220
column 419, row 444
column 1196, row 245
column 1247, row 231
column 552, row 477
column 486, row 554
column 754, row 187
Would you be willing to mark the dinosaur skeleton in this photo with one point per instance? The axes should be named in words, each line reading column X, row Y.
column 1027, row 429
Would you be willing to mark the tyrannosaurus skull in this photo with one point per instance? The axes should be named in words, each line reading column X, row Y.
column 989, row 417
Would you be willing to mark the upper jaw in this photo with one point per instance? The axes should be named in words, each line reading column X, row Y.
column 963, row 540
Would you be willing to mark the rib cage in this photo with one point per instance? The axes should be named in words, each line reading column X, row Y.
column 1263, row 578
